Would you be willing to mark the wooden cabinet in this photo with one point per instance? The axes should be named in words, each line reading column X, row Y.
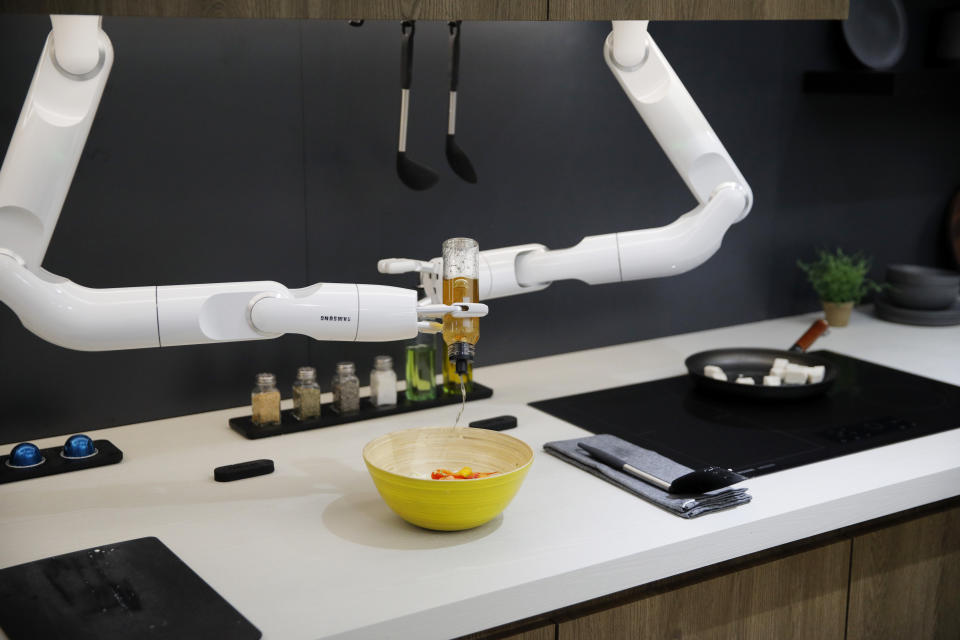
column 905, row 580
column 449, row 9
column 548, row 632
column 801, row 596
column 898, row 578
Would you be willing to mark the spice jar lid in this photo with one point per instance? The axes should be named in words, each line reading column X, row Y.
column 266, row 379
column 346, row 367
column 306, row 374
column 382, row 363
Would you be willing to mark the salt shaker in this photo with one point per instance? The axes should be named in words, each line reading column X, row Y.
column 265, row 400
column 383, row 382
column 306, row 395
column 346, row 389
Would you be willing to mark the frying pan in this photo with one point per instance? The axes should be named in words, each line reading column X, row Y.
column 756, row 363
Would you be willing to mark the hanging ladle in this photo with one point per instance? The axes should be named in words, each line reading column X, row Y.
column 414, row 175
column 456, row 158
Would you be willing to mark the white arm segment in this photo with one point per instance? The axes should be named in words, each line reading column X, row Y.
column 698, row 156
column 34, row 179
column 77, row 317
column 50, row 133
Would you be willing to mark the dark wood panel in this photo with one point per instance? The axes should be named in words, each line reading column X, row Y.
column 905, row 580
column 446, row 9
column 428, row 9
column 317, row 9
column 545, row 630
column 698, row 9
column 801, row 596
column 548, row 632
column 164, row 8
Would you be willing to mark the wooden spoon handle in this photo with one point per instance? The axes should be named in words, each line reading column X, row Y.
column 815, row 331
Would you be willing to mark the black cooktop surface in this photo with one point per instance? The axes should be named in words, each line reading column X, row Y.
column 869, row 406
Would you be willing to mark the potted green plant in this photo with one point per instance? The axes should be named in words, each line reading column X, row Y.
column 841, row 282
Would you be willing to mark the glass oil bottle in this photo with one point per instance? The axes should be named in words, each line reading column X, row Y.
column 461, row 283
column 461, row 273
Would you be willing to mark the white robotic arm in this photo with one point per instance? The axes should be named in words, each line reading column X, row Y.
column 34, row 179
column 53, row 127
column 695, row 151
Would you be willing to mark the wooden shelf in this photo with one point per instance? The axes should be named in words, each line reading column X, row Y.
column 447, row 9
column 699, row 9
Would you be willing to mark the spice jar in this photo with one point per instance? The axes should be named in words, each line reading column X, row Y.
column 265, row 400
column 306, row 395
column 383, row 382
column 346, row 389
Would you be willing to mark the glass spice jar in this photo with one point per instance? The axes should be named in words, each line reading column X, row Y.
column 383, row 383
column 306, row 395
column 346, row 389
column 265, row 400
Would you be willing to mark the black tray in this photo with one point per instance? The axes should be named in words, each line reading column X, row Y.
column 55, row 463
column 329, row 418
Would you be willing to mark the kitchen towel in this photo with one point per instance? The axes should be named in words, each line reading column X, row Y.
column 686, row 506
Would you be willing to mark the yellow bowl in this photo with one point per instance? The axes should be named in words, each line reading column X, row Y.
column 400, row 464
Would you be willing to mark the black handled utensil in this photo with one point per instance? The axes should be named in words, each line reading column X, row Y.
column 416, row 176
column 456, row 158
column 698, row 481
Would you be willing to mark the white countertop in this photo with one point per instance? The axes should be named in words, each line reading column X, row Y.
column 311, row 551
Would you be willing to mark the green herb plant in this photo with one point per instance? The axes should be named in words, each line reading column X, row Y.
column 838, row 277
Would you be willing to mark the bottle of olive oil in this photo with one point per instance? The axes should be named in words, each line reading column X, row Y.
column 461, row 271
column 461, row 283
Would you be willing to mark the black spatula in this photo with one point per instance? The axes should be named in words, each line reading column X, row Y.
column 698, row 481
column 416, row 176
column 456, row 158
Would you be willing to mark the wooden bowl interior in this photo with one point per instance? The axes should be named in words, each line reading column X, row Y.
column 417, row 452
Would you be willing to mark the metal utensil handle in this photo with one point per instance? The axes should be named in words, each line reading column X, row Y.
column 454, row 54
column 617, row 463
column 643, row 475
column 407, row 27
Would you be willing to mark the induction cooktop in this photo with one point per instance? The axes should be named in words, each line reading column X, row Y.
column 868, row 406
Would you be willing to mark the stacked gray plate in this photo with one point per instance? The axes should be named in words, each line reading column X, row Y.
column 920, row 295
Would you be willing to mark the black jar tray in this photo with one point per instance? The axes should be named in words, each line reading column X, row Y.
column 54, row 463
column 329, row 418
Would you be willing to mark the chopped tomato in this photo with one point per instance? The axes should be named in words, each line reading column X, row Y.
column 466, row 473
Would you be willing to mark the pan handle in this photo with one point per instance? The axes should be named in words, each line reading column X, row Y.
column 807, row 339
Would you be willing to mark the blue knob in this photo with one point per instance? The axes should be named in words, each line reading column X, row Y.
column 25, row 454
column 78, row 446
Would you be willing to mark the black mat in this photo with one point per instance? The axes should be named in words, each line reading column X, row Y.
column 134, row 589
column 868, row 406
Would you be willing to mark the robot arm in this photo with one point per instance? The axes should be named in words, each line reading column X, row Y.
column 695, row 151
column 34, row 179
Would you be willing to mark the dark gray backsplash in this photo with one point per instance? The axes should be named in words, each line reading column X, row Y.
column 230, row 150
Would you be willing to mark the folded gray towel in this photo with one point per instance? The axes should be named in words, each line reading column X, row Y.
column 652, row 462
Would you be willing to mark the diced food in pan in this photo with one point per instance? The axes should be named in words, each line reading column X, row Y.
column 783, row 372
column 795, row 374
column 712, row 370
